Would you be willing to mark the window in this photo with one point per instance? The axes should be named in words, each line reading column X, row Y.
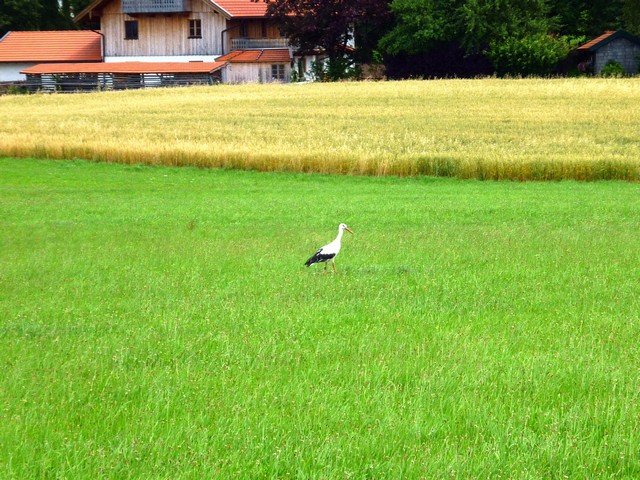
column 131, row 30
column 195, row 28
column 277, row 72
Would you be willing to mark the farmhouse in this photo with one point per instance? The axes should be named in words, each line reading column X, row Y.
column 619, row 46
column 232, row 40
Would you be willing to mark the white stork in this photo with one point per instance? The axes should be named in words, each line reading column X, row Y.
column 329, row 252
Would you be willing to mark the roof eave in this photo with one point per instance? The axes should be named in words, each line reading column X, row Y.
column 87, row 10
column 614, row 36
column 219, row 8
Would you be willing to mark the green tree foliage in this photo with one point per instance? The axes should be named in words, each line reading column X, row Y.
column 474, row 23
column 631, row 16
column 521, row 37
column 536, row 54
column 421, row 24
column 586, row 17
column 39, row 14
column 613, row 69
column 19, row 15
column 491, row 21
column 325, row 24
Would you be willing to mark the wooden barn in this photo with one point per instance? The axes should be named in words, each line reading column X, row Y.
column 236, row 35
column 234, row 31
column 619, row 46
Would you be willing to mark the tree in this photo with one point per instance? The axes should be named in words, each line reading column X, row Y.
column 519, row 36
column 19, row 15
column 421, row 24
column 631, row 16
column 473, row 23
column 586, row 17
column 39, row 14
column 537, row 54
column 52, row 17
column 325, row 24
column 492, row 21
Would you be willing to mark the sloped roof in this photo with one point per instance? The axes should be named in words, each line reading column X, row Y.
column 230, row 8
column 243, row 8
column 607, row 37
column 265, row 55
column 125, row 67
column 51, row 46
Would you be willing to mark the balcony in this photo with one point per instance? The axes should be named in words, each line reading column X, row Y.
column 250, row 43
column 155, row 6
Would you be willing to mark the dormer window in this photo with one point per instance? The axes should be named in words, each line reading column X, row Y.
column 195, row 28
column 131, row 30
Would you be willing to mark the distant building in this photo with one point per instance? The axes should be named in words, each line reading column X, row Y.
column 234, row 41
column 619, row 46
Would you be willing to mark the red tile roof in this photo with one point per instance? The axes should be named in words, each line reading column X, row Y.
column 608, row 37
column 51, row 46
column 597, row 40
column 125, row 67
column 267, row 55
column 231, row 8
column 242, row 8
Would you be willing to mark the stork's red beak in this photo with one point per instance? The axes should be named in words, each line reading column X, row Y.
column 348, row 230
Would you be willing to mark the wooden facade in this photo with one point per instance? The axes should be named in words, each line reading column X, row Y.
column 253, row 28
column 257, row 73
column 167, row 34
column 194, row 31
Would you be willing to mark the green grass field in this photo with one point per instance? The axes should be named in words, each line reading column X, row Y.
column 158, row 322
column 529, row 129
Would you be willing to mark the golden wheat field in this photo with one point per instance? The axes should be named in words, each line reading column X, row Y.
column 526, row 129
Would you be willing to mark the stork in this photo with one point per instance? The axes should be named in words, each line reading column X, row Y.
column 329, row 252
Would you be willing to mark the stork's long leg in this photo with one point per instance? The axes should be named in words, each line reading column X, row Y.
column 334, row 267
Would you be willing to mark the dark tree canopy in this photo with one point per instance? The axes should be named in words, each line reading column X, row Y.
column 631, row 16
column 39, row 14
column 522, row 37
column 326, row 24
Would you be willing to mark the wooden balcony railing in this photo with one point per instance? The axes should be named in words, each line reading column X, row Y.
column 155, row 6
column 249, row 43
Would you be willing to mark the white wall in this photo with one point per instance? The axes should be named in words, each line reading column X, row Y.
column 174, row 58
column 10, row 72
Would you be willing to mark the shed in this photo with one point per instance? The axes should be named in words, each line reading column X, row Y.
column 121, row 75
column 617, row 45
column 21, row 50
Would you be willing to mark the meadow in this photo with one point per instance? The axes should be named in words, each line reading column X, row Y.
column 524, row 129
column 158, row 322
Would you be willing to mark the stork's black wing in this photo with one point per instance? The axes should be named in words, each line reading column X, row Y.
column 319, row 257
